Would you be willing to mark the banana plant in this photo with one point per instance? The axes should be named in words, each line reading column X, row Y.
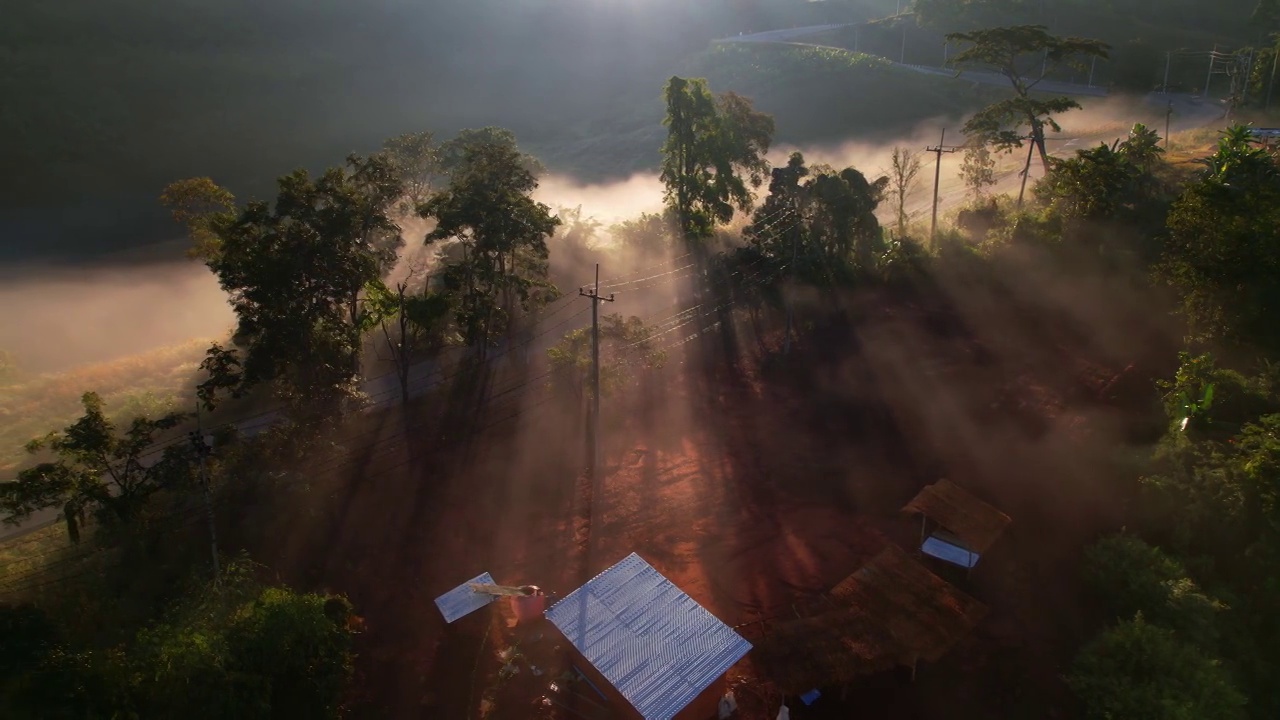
column 1195, row 409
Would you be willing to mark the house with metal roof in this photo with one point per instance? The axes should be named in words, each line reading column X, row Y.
column 654, row 650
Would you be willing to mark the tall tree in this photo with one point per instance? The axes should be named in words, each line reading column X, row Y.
column 452, row 154
column 818, row 222
column 1017, row 53
column 978, row 171
column 296, row 273
column 97, row 468
column 904, row 166
column 713, row 154
column 416, row 159
column 503, row 231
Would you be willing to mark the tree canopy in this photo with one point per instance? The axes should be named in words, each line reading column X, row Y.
column 97, row 468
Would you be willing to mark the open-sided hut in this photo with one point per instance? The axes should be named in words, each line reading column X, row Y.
column 966, row 526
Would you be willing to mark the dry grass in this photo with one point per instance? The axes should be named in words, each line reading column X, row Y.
column 24, row 557
column 143, row 384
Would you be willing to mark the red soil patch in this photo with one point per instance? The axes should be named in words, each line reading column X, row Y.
column 751, row 488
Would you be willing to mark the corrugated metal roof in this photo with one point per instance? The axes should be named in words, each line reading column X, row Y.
column 462, row 600
column 655, row 644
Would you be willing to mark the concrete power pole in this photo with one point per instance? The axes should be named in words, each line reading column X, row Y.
column 596, row 299
column 937, row 177
column 201, row 443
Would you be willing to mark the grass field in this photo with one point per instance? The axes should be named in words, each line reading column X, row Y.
column 145, row 384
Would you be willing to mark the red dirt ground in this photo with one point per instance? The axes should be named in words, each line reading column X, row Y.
column 753, row 484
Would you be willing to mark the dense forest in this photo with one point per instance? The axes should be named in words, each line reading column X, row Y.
column 412, row 392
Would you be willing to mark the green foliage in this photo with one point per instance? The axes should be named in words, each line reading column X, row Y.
column 246, row 651
column 202, row 206
column 296, row 272
column 417, row 162
column 413, row 326
column 453, row 154
column 1138, row 671
column 624, row 345
column 97, row 469
column 1220, row 255
column 231, row 648
column 818, row 223
column 1133, row 577
column 715, row 146
column 502, row 230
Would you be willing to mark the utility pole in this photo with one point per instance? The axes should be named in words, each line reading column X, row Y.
column 596, row 299
column 1026, row 171
column 1167, row 115
column 902, row 57
column 937, row 176
column 1168, row 59
column 1209, row 77
column 791, row 270
column 203, row 449
column 1092, row 65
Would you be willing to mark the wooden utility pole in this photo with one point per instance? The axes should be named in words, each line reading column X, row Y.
column 596, row 299
column 201, row 443
column 937, row 177
column 1275, row 58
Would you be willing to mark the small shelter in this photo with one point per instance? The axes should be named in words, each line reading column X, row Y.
column 967, row 526
column 653, row 649
column 891, row 613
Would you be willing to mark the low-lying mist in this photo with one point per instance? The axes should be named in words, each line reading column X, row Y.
column 60, row 318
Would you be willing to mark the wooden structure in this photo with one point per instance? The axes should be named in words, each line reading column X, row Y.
column 968, row 527
column 892, row 612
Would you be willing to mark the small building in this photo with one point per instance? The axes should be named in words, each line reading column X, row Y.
column 892, row 612
column 646, row 644
column 966, row 527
